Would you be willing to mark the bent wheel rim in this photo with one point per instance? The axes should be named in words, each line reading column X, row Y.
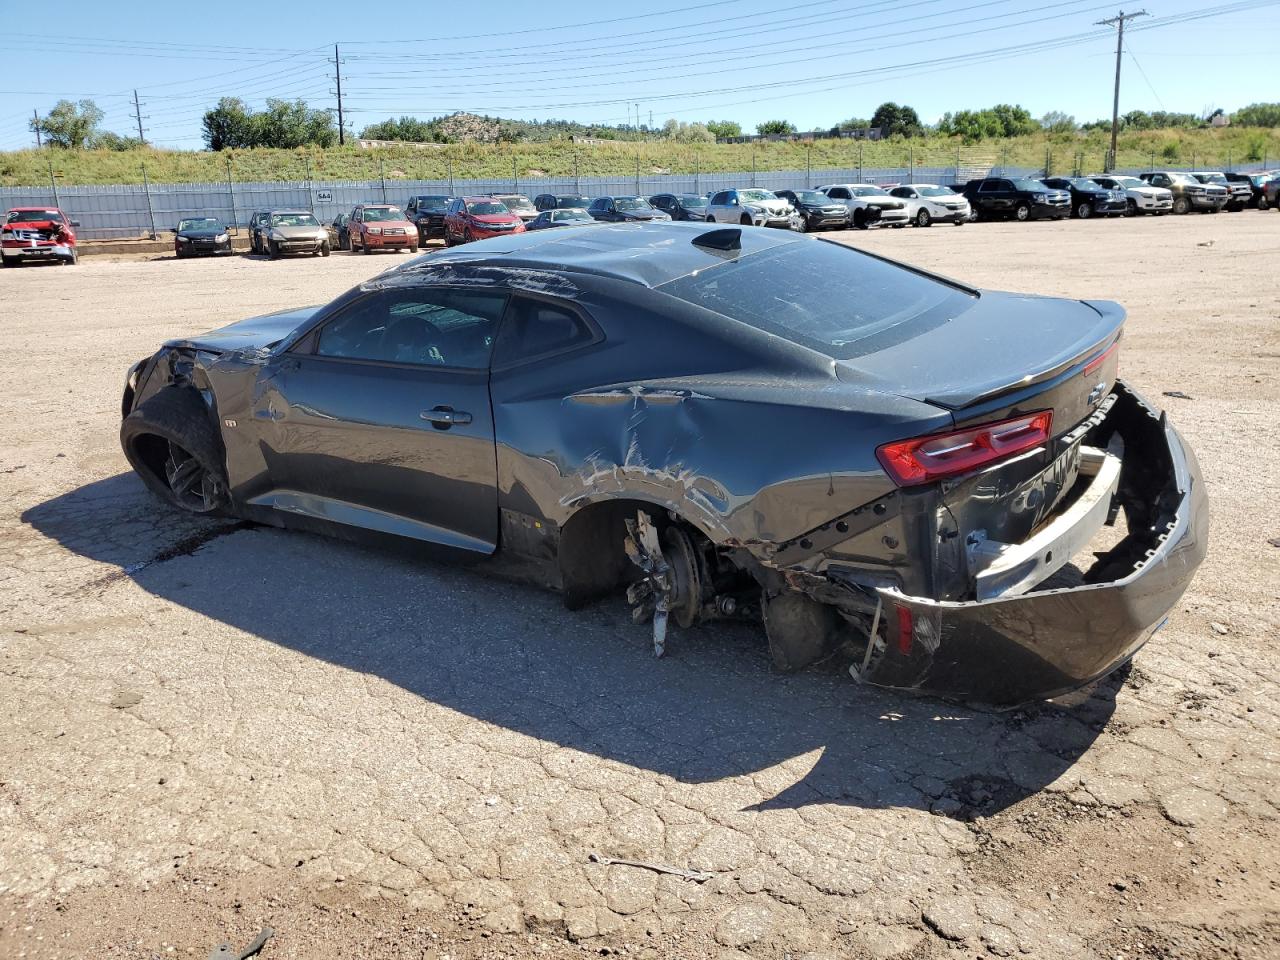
column 188, row 481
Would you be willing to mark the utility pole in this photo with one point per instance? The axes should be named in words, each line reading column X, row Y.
column 1118, row 21
column 337, row 76
column 35, row 125
column 137, row 113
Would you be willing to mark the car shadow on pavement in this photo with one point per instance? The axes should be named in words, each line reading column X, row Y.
column 511, row 655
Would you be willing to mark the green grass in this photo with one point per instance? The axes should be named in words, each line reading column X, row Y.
column 1203, row 148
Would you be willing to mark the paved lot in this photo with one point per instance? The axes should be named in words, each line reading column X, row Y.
column 207, row 727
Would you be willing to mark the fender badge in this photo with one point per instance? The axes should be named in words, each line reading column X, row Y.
column 232, row 423
column 1095, row 396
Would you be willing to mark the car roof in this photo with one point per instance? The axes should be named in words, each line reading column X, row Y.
column 648, row 254
column 45, row 207
column 481, row 196
column 289, row 210
column 376, row 206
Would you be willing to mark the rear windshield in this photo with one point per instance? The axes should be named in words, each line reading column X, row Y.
column 824, row 296
column 574, row 201
column 1034, row 186
column 696, row 202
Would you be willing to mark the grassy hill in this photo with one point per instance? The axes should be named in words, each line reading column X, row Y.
column 1180, row 148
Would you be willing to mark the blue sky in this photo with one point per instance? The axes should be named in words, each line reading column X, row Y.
column 814, row 62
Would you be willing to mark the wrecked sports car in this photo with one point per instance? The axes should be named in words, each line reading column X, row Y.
column 948, row 486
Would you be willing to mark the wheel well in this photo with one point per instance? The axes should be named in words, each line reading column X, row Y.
column 152, row 451
column 592, row 560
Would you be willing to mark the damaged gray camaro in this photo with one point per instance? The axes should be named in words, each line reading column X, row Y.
column 948, row 486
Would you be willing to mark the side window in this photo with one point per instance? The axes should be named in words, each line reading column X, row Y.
column 598, row 205
column 720, row 199
column 905, row 192
column 838, row 193
column 425, row 326
column 533, row 328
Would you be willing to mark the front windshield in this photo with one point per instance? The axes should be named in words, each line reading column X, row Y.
column 375, row 214
column 200, row 223
column 1217, row 178
column 570, row 213
column 518, row 203
column 566, row 202
column 811, row 196
column 1025, row 183
column 487, row 208
column 294, row 220
column 693, row 203
column 1184, row 178
column 868, row 192
column 632, row 203
column 755, row 195
column 433, row 204
column 1082, row 183
column 1129, row 183
column 34, row 216
column 935, row 192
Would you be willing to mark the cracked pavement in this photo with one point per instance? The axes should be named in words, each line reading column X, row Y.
column 209, row 726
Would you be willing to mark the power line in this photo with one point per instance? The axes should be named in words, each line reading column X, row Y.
column 1118, row 21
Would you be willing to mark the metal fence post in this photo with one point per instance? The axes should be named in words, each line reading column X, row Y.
column 382, row 175
column 753, row 164
column 576, row 188
column 53, row 182
column 808, row 166
column 859, row 161
column 231, row 193
column 515, row 174
column 637, row 172
column 697, row 172
column 448, row 161
column 151, row 214
column 311, row 194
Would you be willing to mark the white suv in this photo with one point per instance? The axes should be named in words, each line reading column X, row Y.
column 868, row 204
column 1142, row 196
column 928, row 203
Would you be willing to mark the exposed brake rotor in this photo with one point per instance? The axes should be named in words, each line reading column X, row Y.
column 674, row 577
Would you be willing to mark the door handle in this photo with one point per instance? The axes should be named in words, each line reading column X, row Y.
column 444, row 417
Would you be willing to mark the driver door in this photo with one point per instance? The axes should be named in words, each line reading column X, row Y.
column 381, row 418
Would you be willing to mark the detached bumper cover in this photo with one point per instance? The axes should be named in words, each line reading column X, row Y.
column 1034, row 646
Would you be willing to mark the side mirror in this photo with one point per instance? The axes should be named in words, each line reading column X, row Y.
column 75, row 223
column 171, row 229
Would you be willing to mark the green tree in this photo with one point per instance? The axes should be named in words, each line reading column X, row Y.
column 1055, row 121
column 406, row 129
column 1257, row 115
column 894, row 120
column 686, row 132
column 291, row 124
column 853, row 123
column 230, row 125
column 115, row 141
column 71, row 126
column 722, row 129
column 775, row 128
column 1002, row 120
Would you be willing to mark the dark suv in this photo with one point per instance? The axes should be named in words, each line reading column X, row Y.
column 427, row 214
column 560, row 201
column 1089, row 197
column 1255, row 182
column 681, row 206
column 1018, row 197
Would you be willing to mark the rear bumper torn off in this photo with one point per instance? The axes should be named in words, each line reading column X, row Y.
column 1021, row 646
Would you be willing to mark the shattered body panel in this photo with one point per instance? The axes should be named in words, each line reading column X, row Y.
column 749, row 460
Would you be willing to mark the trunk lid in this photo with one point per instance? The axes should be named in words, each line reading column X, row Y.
column 1007, row 353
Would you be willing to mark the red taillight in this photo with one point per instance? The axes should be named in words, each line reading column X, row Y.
column 1101, row 358
column 938, row 455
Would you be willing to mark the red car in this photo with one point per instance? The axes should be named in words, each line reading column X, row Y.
column 381, row 226
column 478, row 218
column 37, row 233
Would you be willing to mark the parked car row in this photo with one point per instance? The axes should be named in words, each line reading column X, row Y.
column 47, row 233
